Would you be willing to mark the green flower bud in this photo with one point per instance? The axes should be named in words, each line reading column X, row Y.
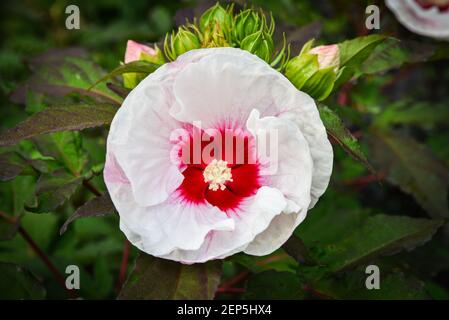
column 157, row 57
column 260, row 44
column 247, row 23
column 181, row 42
column 217, row 20
column 314, row 71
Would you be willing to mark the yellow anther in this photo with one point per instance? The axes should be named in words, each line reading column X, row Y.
column 216, row 174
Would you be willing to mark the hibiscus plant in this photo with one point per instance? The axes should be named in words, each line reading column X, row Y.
column 170, row 147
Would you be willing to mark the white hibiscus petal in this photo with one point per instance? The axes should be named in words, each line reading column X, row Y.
column 285, row 155
column 140, row 140
column 222, row 89
column 253, row 219
column 172, row 225
column 430, row 22
column 301, row 109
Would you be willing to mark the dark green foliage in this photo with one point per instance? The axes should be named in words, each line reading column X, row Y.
column 17, row 283
column 154, row 278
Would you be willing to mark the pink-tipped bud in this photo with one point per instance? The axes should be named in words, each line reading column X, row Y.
column 328, row 56
column 135, row 49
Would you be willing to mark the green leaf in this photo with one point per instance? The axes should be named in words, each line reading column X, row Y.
column 394, row 284
column 354, row 52
column 412, row 167
column 359, row 236
column 95, row 207
column 430, row 259
column 338, row 132
column 53, row 190
column 65, row 148
column 411, row 113
column 154, row 278
column 379, row 235
column 271, row 285
column 139, row 66
column 17, row 283
column 278, row 261
column 60, row 72
column 11, row 165
column 42, row 228
column 16, row 194
column 320, row 228
column 61, row 118
column 393, row 53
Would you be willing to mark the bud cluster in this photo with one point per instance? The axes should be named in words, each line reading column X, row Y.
column 315, row 70
column 219, row 27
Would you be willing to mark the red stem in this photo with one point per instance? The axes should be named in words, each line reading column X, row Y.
column 41, row 254
column 231, row 290
column 124, row 265
column 234, row 281
column 56, row 274
column 365, row 180
column 92, row 188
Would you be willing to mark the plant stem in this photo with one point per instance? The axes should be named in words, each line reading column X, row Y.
column 234, row 281
column 124, row 265
column 91, row 188
column 365, row 180
column 41, row 254
column 231, row 290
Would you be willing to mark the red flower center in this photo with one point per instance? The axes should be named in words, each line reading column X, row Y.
column 221, row 168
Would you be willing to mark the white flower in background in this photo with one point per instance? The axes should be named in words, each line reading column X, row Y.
column 425, row 17
column 175, row 208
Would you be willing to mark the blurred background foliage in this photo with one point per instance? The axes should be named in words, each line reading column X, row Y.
column 400, row 117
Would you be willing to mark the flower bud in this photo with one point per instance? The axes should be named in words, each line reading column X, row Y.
column 314, row 71
column 183, row 41
column 328, row 56
column 260, row 44
column 216, row 19
column 247, row 23
column 137, row 51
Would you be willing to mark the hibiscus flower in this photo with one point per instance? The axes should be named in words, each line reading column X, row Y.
column 182, row 197
column 425, row 17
